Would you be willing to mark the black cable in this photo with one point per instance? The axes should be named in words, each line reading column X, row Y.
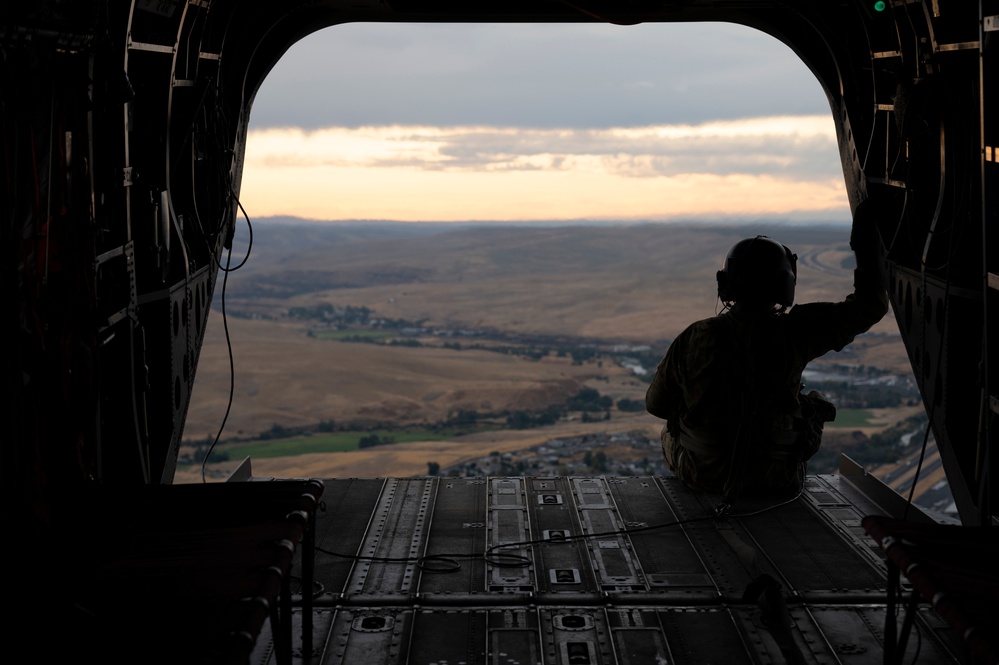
column 225, row 325
column 449, row 562
column 214, row 126
column 919, row 642
column 439, row 563
column 249, row 226
column 604, row 19
column 232, row 369
column 318, row 588
column 932, row 412
column 957, row 203
column 219, row 118
column 874, row 89
column 933, row 405
column 901, row 220
column 919, row 467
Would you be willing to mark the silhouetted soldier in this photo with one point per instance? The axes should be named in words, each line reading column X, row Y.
column 729, row 387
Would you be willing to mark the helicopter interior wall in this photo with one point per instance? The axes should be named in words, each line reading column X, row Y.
column 125, row 129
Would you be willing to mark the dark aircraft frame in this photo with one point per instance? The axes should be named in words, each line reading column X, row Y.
column 124, row 127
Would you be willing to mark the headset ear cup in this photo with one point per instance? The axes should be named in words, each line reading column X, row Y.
column 792, row 258
column 723, row 290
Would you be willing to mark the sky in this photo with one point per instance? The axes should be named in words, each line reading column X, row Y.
column 457, row 122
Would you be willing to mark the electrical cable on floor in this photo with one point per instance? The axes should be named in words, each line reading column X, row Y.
column 450, row 562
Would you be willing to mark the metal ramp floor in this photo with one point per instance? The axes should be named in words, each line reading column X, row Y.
column 525, row 570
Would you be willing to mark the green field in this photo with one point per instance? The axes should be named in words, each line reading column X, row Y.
column 853, row 418
column 320, row 443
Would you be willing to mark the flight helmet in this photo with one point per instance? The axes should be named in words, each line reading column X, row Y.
column 758, row 270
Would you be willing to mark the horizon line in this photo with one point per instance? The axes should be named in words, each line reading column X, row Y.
column 716, row 221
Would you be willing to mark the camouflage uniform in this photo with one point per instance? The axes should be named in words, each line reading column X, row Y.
column 745, row 362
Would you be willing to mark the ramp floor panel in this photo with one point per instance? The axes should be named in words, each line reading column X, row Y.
column 589, row 570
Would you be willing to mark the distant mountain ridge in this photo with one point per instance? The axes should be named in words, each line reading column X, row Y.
column 275, row 238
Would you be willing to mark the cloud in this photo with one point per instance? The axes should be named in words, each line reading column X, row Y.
column 759, row 166
column 793, row 147
column 534, row 75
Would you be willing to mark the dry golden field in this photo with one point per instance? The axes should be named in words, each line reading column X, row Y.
column 638, row 284
column 288, row 378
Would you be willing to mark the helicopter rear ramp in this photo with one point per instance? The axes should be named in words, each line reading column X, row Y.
column 589, row 570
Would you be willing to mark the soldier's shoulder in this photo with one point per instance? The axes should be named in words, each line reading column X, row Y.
column 711, row 327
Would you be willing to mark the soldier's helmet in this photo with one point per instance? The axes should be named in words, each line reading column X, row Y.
column 758, row 270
